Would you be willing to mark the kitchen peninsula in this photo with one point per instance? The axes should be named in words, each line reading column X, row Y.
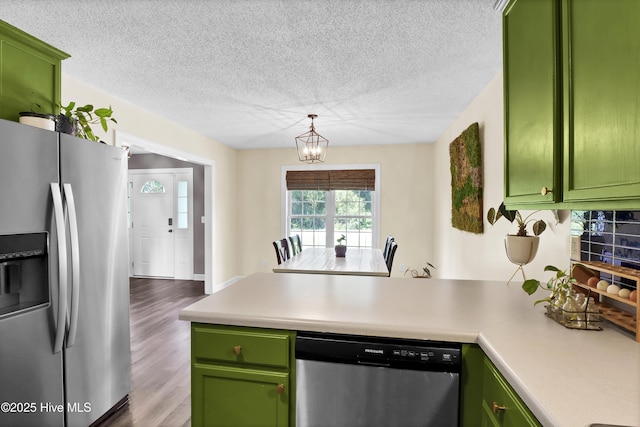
column 565, row 377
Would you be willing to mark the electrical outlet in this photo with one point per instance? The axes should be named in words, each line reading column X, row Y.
column 402, row 267
column 265, row 262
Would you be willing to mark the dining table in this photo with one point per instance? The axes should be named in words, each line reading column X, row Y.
column 317, row 260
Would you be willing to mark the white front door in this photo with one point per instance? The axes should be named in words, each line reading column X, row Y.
column 153, row 224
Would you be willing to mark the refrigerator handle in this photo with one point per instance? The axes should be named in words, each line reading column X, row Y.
column 75, row 265
column 62, row 266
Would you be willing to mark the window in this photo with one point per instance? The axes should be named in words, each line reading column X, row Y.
column 152, row 186
column 183, row 205
column 322, row 214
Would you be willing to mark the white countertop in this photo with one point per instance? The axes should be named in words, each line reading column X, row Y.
column 566, row 377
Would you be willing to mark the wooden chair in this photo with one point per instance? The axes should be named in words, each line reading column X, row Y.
column 385, row 252
column 285, row 247
column 296, row 245
column 282, row 250
column 392, row 253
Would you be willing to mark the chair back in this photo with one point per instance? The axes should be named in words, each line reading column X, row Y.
column 385, row 252
column 278, row 247
column 390, row 255
column 282, row 250
column 296, row 245
column 285, row 248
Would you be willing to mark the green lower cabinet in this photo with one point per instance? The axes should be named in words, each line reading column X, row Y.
column 487, row 399
column 501, row 406
column 227, row 396
column 242, row 377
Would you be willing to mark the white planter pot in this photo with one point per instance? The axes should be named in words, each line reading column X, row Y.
column 43, row 121
column 521, row 249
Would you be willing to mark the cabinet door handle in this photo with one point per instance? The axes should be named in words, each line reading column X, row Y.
column 545, row 191
column 280, row 389
column 237, row 350
column 495, row 408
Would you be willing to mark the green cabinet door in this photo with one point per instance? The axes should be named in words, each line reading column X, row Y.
column 601, row 47
column 487, row 399
column 532, row 151
column 242, row 376
column 225, row 396
column 501, row 406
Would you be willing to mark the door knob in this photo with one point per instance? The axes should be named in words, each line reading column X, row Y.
column 237, row 350
column 495, row 408
column 545, row 190
column 170, row 230
column 280, row 389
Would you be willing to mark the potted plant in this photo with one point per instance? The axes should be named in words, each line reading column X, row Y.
column 559, row 285
column 521, row 247
column 566, row 306
column 78, row 120
column 424, row 274
column 341, row 248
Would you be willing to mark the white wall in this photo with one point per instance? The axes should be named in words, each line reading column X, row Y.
column 406, row 195
column 145, row 125
column 465, row 255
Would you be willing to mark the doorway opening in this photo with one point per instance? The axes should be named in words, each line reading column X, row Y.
column 139, row 146
column 161, row 222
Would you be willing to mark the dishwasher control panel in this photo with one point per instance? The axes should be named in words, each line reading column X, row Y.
column 383, row 352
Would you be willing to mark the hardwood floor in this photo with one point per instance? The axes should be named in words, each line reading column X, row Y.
column 160, row 353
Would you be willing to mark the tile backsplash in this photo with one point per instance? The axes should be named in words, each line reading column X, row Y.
column 612, row 237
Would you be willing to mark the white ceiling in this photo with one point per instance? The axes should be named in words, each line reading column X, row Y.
column 247, row 72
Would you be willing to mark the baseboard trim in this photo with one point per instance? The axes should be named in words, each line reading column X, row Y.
column 198, row 277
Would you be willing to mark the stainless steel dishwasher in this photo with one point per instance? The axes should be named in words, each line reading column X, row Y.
column 352, row 381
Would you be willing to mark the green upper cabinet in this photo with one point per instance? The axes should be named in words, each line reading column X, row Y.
column 572, row 104
column 30, row 74
column 601, row 45
column 531, row 41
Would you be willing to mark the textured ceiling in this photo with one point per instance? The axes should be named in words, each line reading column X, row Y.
column 247, row 73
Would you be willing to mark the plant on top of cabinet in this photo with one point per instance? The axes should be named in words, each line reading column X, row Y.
column 78, row 120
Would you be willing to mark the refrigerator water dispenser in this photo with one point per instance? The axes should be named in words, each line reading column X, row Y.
column 24, row 278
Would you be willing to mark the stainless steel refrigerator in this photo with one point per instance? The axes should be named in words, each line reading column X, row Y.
column 65, row 357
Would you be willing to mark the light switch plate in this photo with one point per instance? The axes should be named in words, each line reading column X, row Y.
column 575, row 248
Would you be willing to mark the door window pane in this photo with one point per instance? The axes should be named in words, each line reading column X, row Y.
column 152, row 186
column 183, row 205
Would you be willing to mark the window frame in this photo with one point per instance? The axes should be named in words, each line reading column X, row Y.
column 285, row 202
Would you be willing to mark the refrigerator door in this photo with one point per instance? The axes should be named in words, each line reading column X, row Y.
column 30, row 370
column 98, row 354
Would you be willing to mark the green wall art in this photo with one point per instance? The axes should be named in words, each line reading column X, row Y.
column 466, row 181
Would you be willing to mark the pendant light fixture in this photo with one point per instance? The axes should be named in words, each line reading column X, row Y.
column 312, row 147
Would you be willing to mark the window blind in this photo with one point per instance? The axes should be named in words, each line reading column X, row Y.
column 325, row 180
